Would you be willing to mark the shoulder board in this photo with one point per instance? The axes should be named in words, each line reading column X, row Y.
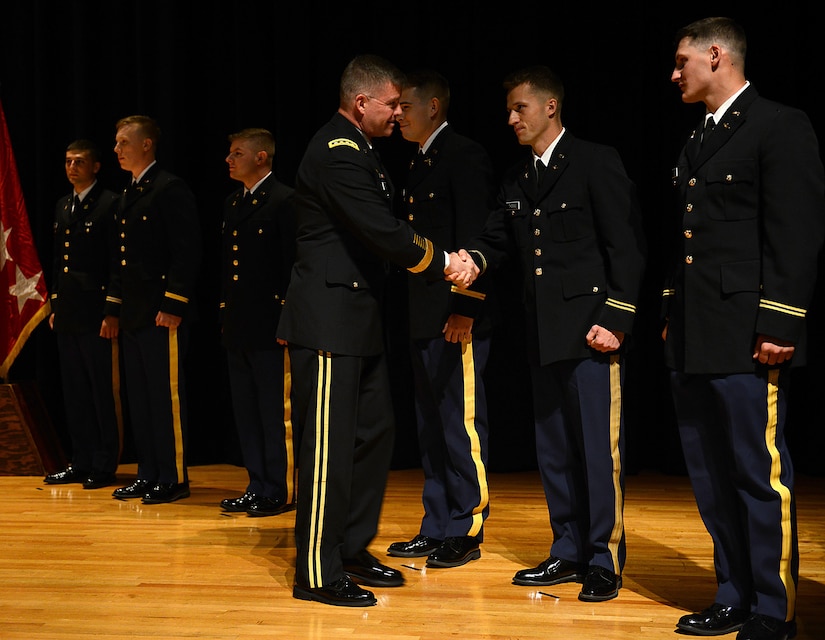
column 342, row 141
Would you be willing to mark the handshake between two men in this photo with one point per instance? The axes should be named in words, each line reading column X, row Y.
column 461, row 270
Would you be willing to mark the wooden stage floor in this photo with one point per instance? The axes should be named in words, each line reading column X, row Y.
column 76, row 564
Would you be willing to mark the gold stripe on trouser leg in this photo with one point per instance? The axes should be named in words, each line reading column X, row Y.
column 116, row 394
column 289, row 443
column 783, row 491
column 319, row 471
column 468, row 374
column 615, row 430
column 174, row 393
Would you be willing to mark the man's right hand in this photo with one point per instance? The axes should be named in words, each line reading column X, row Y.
column 461, row 271
column 109, row 327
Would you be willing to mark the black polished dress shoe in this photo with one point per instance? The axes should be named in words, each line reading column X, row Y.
column 240, row 504
column 761, row 627
column 67, row 476
column 454, row 552
column 99, row 479
column 263, row 506
column 718, row 619
column 415, row 548
column 137, row 489
column 166, row 492
column 342, row 593
column 549, row 572
column 600, row 584
column 365, row 568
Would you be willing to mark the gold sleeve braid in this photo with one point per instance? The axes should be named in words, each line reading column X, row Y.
column 428, row 248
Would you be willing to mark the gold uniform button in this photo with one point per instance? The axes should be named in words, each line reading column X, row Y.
column 65, row 244
column 235, row 263
column 536, row 232
column 355, row 285
column 260, row 231
column 595, row 289
column 122, row 248
column 689, row 207
column 692, row 182
column 234, row 247
column 67, row 232
column 65, row 269
column 235, row 277
column 537, row 252
column 688, row 259
column 537, row 212
column 234, row 233
column 412, row 199
column 123, row 263
column 539, row 271
column 729, row 178
column 411, row 217
column 688, row 234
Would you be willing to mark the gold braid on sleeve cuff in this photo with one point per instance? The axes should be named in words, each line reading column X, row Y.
column 428, row 248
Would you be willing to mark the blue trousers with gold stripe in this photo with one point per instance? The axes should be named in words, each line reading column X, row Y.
column 451, row 411
column 156, row 395
column 344, row 406
column 260, row 382
column 90, row 374
column 733, row 439
column 579, row 422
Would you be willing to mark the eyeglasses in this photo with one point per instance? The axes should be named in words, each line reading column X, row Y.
column 392, row 105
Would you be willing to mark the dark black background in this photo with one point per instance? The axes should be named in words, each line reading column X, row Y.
column 206, row 69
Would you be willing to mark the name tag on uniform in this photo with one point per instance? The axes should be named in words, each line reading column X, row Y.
column 514, row 205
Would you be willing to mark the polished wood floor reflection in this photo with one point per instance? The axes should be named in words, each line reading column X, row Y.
column 76, row 564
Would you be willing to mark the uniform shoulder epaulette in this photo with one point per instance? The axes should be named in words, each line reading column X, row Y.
column 343, row 141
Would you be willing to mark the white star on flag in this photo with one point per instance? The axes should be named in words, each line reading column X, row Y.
column 25, row 288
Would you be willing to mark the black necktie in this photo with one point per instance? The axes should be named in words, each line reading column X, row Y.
column 708, row 128
column 540, row 169
column 75, row 213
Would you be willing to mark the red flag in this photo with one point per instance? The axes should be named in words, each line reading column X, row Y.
column 24, row 300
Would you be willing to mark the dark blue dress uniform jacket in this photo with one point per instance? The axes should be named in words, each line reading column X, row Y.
column 258, row 253
column 580, row 245
column 82, row 260
column 158, row 249
column 447, row 198
column 749, row 244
